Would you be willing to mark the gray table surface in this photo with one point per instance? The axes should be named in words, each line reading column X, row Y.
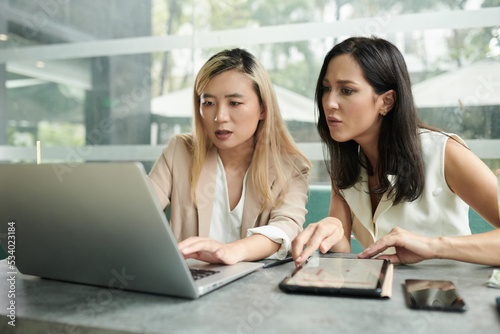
column 252, row 304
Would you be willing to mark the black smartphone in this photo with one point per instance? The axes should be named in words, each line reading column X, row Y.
column 433, row 295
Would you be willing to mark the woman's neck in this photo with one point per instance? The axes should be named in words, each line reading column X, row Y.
column 236, row 162
column 370, row 150
column 237, row 159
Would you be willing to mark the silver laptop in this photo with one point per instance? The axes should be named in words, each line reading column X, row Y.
column 99, row 224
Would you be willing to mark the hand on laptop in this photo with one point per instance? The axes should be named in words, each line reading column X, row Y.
column 209, row 250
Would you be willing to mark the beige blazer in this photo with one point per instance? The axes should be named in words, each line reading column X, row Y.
column 170, row 179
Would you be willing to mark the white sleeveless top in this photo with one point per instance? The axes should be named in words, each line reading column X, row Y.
column 437, row 212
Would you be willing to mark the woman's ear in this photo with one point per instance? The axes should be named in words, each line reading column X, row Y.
column 388, row 100
column 262, row 112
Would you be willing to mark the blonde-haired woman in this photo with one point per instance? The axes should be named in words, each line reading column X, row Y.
column 237, row 186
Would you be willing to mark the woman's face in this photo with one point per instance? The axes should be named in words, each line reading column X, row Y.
column 230, row 111
column 352, row 109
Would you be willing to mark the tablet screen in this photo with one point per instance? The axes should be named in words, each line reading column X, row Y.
column 339, row 273
column 336, row 275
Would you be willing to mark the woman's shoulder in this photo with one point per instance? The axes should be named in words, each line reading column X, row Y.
column 303, row 163
column 178, row 146
column 296, row 163
column 183, row 141
column 431, row 137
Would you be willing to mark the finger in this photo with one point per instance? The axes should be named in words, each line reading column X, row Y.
column 308, row 251
column 192, row 256
column 200, row 245
column 331, row 240
column 300, row 241
column 188, row 242
column 327, row 234
column 379, row 246
column 309, row 246
column 204, row 256
column 394, row 258
column 371, row 251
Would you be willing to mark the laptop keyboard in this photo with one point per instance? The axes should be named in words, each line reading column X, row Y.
column 201, row 273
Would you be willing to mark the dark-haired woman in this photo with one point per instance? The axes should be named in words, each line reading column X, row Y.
column 400, row 187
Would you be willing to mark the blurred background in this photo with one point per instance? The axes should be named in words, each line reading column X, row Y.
column 96, row 80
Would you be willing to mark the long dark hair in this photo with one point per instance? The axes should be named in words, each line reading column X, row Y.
column 400, row 155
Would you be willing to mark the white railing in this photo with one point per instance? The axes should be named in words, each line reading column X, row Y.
column 386, row 22
column 484, row 149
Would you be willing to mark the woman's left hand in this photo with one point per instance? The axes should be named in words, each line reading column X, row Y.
column 410, row 247
column 208, row 250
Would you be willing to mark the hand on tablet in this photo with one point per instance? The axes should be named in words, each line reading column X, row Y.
column 410, row 247
column 323, row 235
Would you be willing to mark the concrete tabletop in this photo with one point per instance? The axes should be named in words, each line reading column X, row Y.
column 252, row 304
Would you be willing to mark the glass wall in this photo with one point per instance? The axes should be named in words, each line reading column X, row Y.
column 97, row 80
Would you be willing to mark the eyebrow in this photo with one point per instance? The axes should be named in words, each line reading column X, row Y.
column 205, row 95
column 235, row 95
column 346, row 82
column 341, row 82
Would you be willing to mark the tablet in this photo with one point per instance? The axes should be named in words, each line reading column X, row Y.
column 334, row 275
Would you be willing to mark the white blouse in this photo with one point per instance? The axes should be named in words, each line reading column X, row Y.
column 437, row 212
column 225, row 224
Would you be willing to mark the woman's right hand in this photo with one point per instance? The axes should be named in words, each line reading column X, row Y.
column 323, row 235
column 410, row 247
column 209, row 250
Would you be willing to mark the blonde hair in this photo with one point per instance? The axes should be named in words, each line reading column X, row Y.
column 273, row 142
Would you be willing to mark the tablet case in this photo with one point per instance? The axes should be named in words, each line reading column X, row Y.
column 384, row 292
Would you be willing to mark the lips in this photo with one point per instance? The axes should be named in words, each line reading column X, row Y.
column 333, row 121
column 223, row 134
